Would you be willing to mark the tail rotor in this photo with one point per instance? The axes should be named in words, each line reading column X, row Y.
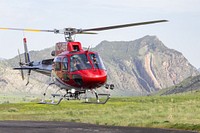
column 20, row 64
column 27, row 62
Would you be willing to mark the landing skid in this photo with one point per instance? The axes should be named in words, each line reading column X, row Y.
column 107, row 97
column 52, row 102
column 50, row 97
column 55, row 98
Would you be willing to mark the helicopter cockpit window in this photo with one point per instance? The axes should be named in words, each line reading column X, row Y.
column 76, row 48
column 97, row 61
column 79, row 62
column 65, row 64
column 57, row 62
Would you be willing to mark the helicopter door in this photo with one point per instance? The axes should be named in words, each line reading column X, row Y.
column 65, row 69
column 57, row 66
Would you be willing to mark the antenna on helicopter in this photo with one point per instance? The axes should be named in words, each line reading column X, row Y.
column 88, row 49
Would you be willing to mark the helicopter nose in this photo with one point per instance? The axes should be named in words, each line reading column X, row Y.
column 95, row 79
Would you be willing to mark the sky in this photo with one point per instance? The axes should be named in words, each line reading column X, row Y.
column 180, row 33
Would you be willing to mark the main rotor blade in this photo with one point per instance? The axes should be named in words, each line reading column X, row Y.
column 85, row 32
column 73, row 31
column 29, row 30
column 124, row 25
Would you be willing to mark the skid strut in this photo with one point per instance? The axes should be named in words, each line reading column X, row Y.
column 107, row 97
column 52, row 100
column 49, row 98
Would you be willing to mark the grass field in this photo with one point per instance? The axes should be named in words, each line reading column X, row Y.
column 176, row 111
column 15, row 98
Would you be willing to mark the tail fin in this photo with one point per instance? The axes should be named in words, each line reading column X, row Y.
column 26, row 53
column 27, row 59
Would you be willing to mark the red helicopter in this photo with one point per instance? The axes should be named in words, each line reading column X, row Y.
column 73, row 69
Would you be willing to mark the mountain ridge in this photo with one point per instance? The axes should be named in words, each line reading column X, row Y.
column 135, row 67
column 148, row 63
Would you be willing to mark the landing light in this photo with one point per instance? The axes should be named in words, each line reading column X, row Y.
column 73, row 91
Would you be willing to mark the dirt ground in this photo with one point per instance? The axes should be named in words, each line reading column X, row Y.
column 70, row 127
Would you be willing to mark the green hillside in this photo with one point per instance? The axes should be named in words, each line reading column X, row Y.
column 190, row 84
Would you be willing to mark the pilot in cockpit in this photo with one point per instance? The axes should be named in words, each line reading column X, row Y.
column 95, row 61
column 75, row 64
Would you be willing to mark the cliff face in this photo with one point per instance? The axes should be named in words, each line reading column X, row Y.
column 144, row 65
column 136, row 67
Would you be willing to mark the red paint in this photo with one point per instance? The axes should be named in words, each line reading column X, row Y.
column 24, row 40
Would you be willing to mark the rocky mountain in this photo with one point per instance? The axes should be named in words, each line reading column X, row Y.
column 136, row 67
column 199, row 69
column 144, row 65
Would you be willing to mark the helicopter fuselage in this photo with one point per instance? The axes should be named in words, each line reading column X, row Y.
column 79, row 69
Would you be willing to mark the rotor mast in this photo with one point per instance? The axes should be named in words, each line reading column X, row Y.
column 68, row 37
column 68, row 33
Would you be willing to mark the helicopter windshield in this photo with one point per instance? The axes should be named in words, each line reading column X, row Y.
column 97, row 61
column 79, row 62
